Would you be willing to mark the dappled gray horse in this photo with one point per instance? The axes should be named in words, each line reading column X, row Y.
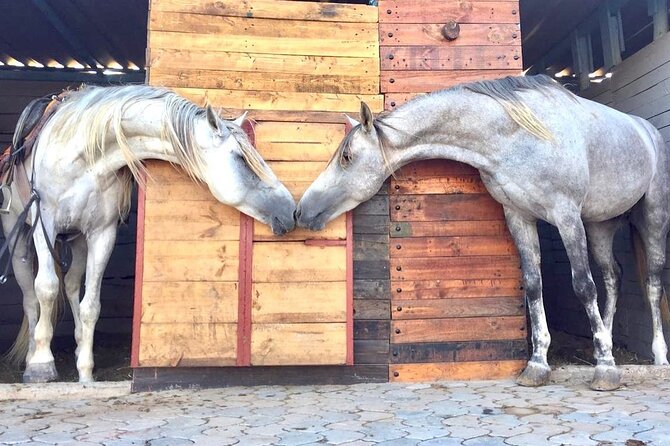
column 543, row 153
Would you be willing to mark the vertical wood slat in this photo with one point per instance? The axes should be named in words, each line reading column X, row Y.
column 139, row 279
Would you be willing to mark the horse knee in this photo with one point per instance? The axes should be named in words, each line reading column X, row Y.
column 46, row 288
column 533, row 285
column 89, row 312
column 584, row 287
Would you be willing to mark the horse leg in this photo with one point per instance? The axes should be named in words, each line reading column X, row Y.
column 100, row 245
column 601, row 237
column 524, row 233
column 40, row 366
column 73, row 284
column 571, row 229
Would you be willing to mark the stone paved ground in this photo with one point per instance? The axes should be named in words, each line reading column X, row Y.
column 456, row 413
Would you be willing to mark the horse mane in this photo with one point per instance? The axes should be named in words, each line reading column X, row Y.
column 505, row 92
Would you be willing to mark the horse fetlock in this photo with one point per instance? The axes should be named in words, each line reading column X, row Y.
column 606, row 377
column 660, row 350
column 40, row 372
column 535, row 374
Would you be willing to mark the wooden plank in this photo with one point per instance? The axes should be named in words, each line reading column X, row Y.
column 330, row 45
column 170, row 378
column 459, row 371
column 306, row 142
column 626, row 104
column 454, row 289
column 462, row 184
column 298, row 302
column 449, row 228
column 372, row 309
column 255, row 27
column 367, row 329
column 431, row 58
column 662, row 120
column 371, row 351
column 290, row 101
column 189, row 302
column 176, row 59
column 371, row 269
column 445, row 207
column 464, row 307
column 393, row 100
column 404, row 34
column 298, row 344
column 371, row 247
column 452, row 246
column 190, row 220
column 296, row 262
column 336, row 229
column 187, row 344
column 371, row 289
column 458, row 329
column 459, row 351
column 652, row 108
column 427, row 81
column 274, row 9
column 377, row 205
column 464, row 267
column 642, row 62
column 196, row 260
column 426, row 11
column 645, row 82
column 371, row 224
column 260, row 81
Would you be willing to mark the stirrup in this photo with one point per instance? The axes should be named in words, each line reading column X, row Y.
column 6, row 199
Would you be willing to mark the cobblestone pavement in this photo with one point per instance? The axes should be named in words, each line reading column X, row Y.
column 455, row 413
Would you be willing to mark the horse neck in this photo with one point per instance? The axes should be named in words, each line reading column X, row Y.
column 447, row 125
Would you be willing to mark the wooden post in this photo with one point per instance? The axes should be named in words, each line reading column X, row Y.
column 609, row 32
column 658, row 10
column 582, row 57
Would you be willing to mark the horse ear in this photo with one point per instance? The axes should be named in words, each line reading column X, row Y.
column 212, row 119
column 366, row 116
column 352, row 122
column 239, row 121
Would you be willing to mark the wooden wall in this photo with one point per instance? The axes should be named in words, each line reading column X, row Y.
column 457, row 307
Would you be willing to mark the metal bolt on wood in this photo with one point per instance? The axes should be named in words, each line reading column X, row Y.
column 396, row 374
column 398, row 290
column 398, row 268
column 397, row 208
column 399, row 308
column 397, row 331
column 398, row 246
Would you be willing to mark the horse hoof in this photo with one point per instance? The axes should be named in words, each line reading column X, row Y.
column 534, row 375
column 606, row 377
column 40, row 373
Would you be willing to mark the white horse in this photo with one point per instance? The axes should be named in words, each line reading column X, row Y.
column 543, row 153
column 82, row 167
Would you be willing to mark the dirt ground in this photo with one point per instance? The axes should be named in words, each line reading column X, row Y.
column 569, row 349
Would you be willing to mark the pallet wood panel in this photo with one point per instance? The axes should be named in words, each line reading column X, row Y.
column 274, row 9
column 194, row 260
column 470, row 207
column 464, row 267
column 456, row 288
column 461, row 184
column 448, row 228
column 452, row 246
column 421, row 81
column 452, row 308
column 298, row 344
column 433, row 58
column 458, row 329
column 188, row 220
column 471, row 34
column 426, row 11
column 304, row 302
column 293, row 261
column 458, row 371
column 189, row 302
column 459, row 351
column 306, row 142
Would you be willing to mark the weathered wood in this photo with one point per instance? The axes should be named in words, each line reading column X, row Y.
column 431, row 169
column 426, row 11
column 298, row 344
column 371, row 224
column 371, row 269
column 394, row 100
column 163, row 378
column 274, row 9
column 457, row 371
column 371, row 351
column 448, row 228
column 368, row 329
column 427, row 81
column 366, row 309
column 371, row 289
column 335, row 229
column 471, row 207
column 458, row 351
column 446, row 184
column 637, row 65
column 189, row 302
column 377, row 205
column 371, row 247
column 446, row 57
column 458, row 329
column 464, row 307
column 187, row 344
column 196, row 260
column 305, row 142
column 453, row 289
column 190, row 220
column 463, row 267
column 296, row 262
column 452, row 246
column 176, row 59
column 298, row 302
column 472, row 34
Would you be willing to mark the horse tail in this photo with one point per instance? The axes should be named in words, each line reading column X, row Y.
column 18, row 352
column 641, row 263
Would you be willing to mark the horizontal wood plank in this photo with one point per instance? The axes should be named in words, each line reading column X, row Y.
column 372, row 309
column 452, row 246
column 452, row 308
column 190, row 220
column 427, row 81
column 195, row 260
column 471, row 34
column 274, row 9
column 454, row 289
column 426, row 11
column 298, row 344
column 371, row 329
column 461, row 184
column 431, row 58
column 464, row 267
column 456, row 371
column 187, row 344
column 458, row 329
column 334, row 230
column 461, row 207
column 371, row 351
column 449, row 228
column 459, row 351
column 189, row 302
column 435, row 168
column 301, row 302
column 296, row 262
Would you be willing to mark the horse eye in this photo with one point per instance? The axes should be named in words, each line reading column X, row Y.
column 346, row 157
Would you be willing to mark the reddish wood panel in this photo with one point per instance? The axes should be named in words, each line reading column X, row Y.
column 457, row 371
column 462, row 184
column 423, row 81
column 464, row 267
column 452, row 246
column 427, row 11
column 439, row 168
column 448, row 308
column 393, row 100
column 444, row 207
column 456, row 288
column 448, row 228
column 411, row 34
column 459, row 351
column 458, row 329
column 401, row 58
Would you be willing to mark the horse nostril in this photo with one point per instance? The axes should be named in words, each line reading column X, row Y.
column 296, row 214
